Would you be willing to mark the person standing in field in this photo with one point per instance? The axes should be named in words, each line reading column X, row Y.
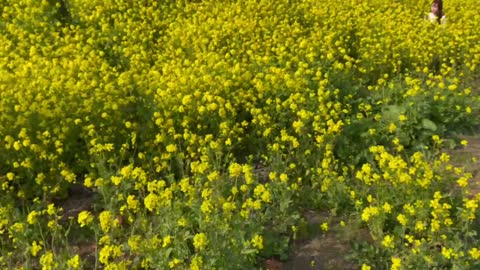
column 436, row 12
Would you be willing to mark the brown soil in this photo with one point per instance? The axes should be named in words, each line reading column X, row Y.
column 319, row 250
column 79, row 199
column 320, row 253
column 463, row 158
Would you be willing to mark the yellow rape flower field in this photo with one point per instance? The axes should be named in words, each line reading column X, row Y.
column 197, row 134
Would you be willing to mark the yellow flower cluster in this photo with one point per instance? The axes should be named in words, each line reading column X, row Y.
column 201, row 125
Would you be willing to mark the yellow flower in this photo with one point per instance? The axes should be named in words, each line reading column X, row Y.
column 447, row 253
column 51, row 209
column 167, row 240
column 259, row 189
column 200, row 241
column 116, row 180
column 69, row 176
column 213, row 176
column 392, row 127
column 266, row 197
column 104, row 254
column 396, row 263
column 452, row 87
column 32, row 217
column 104, row 240
column 324, row 226
column 84, row 218
column 74, row 262
column 474, row 253
column 257, row 242
column 196, row 263
column 462, row 181
column 182, row 222
column 134, row 242
column 420, row 226
column 88, row 182
column 256, row 205
column 47, row 261
column 10, row 176
column 171, row 148
column 244, row 188
column 173, row 263
column 387, row 207
column 366, row 267
column 109, row 251
column 434, row 225
column 126, row 171
column 99, row 182
column 283, row 177
column 52, row 224
column 151, row 202
column 448, row 221
column 228, row 207
column 402, row 219
column 388, row 241
column 17, row 227
column 17, row 145
column 235, row 169
column 369, row 212
column 133, row 203
column 206, row 207
column 105, row 220
column 35, row 248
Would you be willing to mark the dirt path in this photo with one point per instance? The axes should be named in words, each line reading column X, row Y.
column 320, row 250
column 463, row 158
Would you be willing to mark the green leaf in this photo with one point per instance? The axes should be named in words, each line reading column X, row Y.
column 249, row 251
column 428, row 124
column 392, row 112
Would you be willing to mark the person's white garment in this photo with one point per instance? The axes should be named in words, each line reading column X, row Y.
column 433, row 18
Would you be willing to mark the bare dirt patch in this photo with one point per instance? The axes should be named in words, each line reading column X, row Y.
column 463, row 158
column 320, row 250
